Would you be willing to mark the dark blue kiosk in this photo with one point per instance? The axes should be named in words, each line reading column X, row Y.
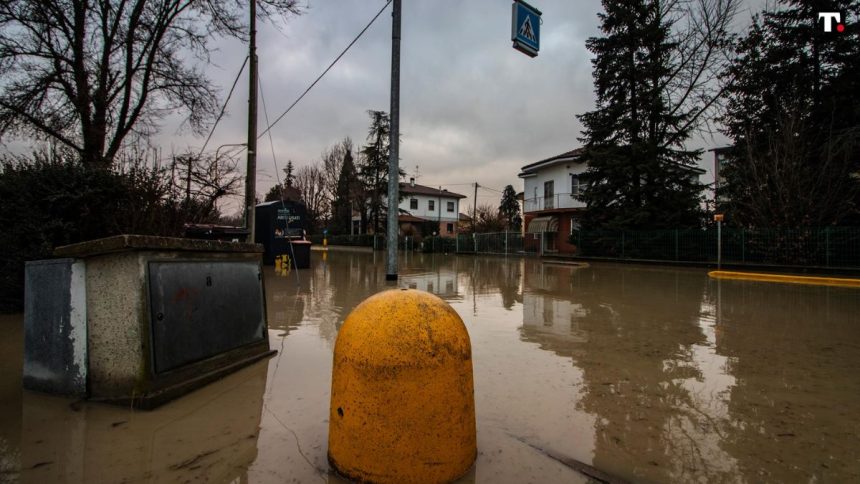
column 281, row 227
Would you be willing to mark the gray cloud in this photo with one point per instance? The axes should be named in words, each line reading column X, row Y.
column 472, row 108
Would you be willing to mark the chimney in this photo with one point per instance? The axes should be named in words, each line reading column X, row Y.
column 412, row 182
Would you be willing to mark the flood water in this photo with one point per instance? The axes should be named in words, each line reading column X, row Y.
column 648, row 374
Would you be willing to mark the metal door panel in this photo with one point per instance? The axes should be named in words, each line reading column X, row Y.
column 200, row 309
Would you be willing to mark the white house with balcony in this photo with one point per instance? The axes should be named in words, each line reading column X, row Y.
column 551, row 207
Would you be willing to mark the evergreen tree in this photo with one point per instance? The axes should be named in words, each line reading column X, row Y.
column 373, row 169
column 639, row 172
column 275, row 193
column 290, row 177
column 509, row 208
column 794, row 119
column 347, row 196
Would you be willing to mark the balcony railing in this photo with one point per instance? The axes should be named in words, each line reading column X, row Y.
column 559, row 200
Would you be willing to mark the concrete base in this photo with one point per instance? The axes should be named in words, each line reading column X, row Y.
column 162, row 317
column 194, row 380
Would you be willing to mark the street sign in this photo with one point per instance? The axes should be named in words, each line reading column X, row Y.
column 718, row 217
column 525, row 28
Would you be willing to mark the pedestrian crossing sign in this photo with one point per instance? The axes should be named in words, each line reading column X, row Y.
column 525, row 28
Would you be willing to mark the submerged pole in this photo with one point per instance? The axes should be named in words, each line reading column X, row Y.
column 393, row 155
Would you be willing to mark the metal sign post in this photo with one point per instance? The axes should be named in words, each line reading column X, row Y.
column 719, row 218
column 525, row 28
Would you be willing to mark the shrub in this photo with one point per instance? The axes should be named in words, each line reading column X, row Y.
column 48, row 203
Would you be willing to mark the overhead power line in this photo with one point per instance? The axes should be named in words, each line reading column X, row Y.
column 271, row 143
column 270, row 126
column 224, row 106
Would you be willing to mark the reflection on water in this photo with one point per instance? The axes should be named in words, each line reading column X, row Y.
column 212, row 432
column 646, row 373
column 11, row 355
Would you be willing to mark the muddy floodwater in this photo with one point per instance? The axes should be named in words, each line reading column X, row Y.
column 644, row 373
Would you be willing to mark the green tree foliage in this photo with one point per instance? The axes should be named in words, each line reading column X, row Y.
column 654, row 83
column 286, row 190
column 54, row 199
column 48, row 202
column 489, row 219
column 289, row 176
column 794, row 117
column 373, row 168
column 275, row 193
column 509, row 208
column 87, row 74
column 348, row 195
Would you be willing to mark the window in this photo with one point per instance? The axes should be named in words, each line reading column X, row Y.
column 574, row 185
column 413, row 204
column 431, row 205
column 451, row 207
column 450, row 228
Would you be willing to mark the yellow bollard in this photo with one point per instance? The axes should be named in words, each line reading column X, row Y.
column 402, row 397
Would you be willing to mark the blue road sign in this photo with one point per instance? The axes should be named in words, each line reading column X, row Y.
column 525, row 28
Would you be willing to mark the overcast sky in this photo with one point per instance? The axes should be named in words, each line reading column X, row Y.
column 472, row 108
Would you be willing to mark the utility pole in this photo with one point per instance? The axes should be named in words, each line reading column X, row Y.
column 394, row 154
column 440, row 210
column 475, row 209
column 251, row 170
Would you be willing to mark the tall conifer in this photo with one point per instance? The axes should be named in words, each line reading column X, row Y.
column 639, row 171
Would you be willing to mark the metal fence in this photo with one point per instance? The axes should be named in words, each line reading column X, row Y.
column 806, row 247
column 377, row 241
column 836, row 247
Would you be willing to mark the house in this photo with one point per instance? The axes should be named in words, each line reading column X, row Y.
column 421, row 204
column 551, row 209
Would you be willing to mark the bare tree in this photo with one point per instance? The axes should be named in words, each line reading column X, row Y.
column 332, row 163
column 794, row 182
column 701, row 35
column 489, row 219
column 310, row 182
column 203, row 182
column 90, row 73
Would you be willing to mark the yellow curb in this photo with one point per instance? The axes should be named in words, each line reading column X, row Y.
column 573, row 264
column 786, row 278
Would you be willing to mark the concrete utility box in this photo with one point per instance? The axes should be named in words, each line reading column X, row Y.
column 163, row 317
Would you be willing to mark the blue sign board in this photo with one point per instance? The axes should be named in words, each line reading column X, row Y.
column 525, row 28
